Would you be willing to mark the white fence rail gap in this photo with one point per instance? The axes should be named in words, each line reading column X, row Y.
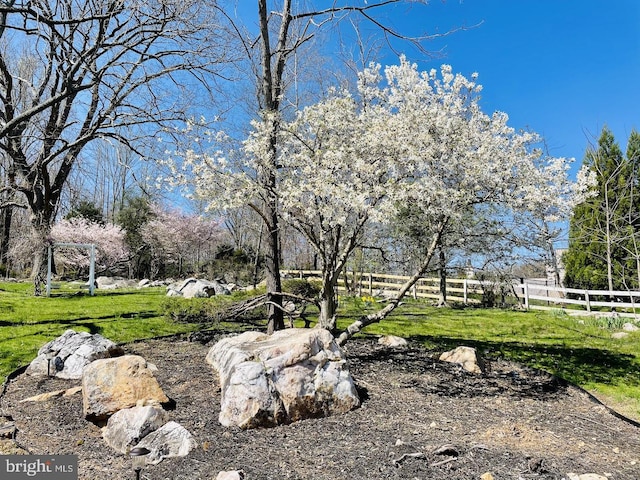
column 531, row 295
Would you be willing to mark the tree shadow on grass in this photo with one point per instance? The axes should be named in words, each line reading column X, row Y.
column 92, row 324
column 577, row 365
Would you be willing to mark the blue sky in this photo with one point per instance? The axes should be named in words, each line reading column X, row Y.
column 563, row 68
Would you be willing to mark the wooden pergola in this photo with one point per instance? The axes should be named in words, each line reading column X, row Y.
column 92, row 264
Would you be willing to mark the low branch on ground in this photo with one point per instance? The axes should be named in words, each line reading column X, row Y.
column 380, row 315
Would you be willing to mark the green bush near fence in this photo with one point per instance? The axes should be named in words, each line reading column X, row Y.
column 577, row 348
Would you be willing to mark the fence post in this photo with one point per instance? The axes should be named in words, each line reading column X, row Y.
column 414, row 291
column 525, row 291
column 92, row 269
column 370, row 284
column 546, row 290
column 587, row 300
column 465, row 291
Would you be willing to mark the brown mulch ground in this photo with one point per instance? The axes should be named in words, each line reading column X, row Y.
column 420, row 419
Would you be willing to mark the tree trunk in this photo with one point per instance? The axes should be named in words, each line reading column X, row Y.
column 271, row 90
column 40, row 256
column 442, row 300
column 608, row 238
column 553, row 257
column 272, row 268
column 328, row 304
column 5, row 234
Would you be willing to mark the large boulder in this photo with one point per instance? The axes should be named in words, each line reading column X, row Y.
column 466, row 357
column 288, row 376
column 109, row 385
column 67, row 355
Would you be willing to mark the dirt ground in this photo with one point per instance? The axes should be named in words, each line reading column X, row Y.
column 419, row 419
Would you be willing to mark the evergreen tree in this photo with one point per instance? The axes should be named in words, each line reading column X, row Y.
column 632, row 228
column 132, row 217
column 603, row 228
column 87, row 210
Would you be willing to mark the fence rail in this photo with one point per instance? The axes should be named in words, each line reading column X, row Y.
column 531, row 295
column 548, row 296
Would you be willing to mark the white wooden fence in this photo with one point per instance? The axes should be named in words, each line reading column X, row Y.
column 468, row 291
column 625, row 303
column 458, row 290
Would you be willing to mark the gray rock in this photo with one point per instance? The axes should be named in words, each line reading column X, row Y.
column 112, row 283
column 69, row 354
column 619, row 335
column 197, row 288
column 127, row 427
column 291, row 375
column 170, row 440
column 630, row 327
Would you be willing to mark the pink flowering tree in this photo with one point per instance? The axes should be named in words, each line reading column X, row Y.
column 183, row 242
column 111, row 249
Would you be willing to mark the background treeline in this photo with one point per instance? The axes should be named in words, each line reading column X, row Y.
column 604, row 231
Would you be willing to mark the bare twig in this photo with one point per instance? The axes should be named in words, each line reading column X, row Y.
column 443, row 462
column 397, row 461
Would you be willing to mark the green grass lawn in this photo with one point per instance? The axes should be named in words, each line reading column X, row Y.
column 578, row 349
column 28, row 322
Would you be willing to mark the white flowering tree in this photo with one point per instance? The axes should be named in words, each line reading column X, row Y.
column 285, row 44
column 407, row 138
column 109, row 239
column 457, row 159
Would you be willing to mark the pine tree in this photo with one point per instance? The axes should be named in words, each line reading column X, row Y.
column 632, row 228
column 603, row 229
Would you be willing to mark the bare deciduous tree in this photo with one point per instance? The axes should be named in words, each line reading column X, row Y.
column 73, row 72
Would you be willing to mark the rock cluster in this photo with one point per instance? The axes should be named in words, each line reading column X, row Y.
column 197, row 288
column 114, row 283
column 121, row 393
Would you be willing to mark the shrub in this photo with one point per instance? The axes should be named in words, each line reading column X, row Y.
column 301, row 288
column 206, row 311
